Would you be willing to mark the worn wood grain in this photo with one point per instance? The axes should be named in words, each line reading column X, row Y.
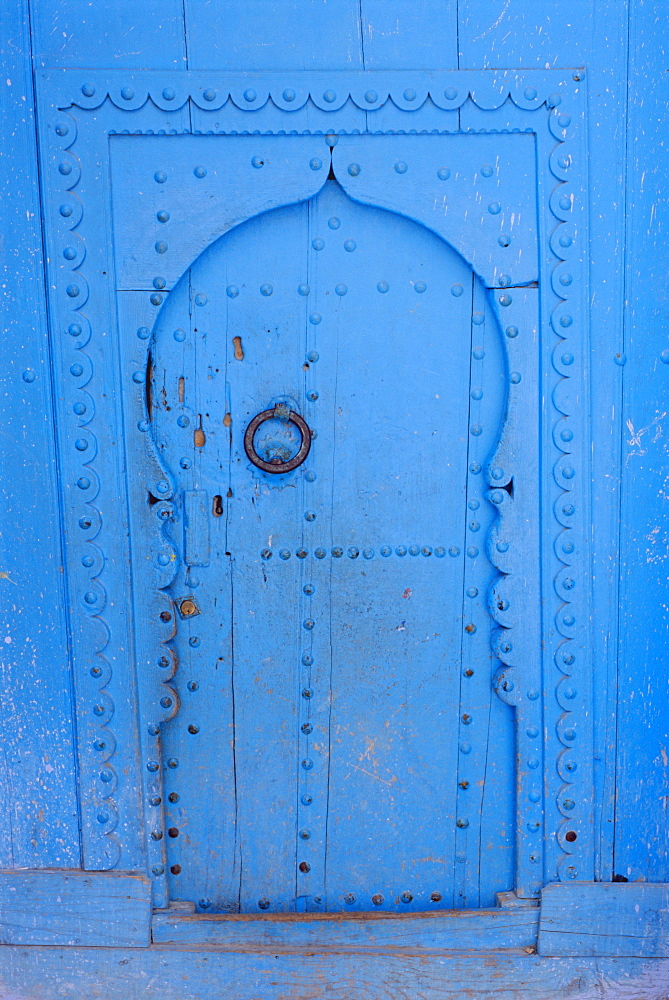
column 38, row 798
column 642, row 830
column 618, row 919
column 80, row 33
column 158, row 973
column 420, row 933
column 74, row 908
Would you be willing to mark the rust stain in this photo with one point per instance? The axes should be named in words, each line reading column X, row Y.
column 227, row 420
column 239, row 350
column 198, row 434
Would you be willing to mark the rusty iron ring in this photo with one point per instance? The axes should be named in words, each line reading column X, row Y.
column 276, row 465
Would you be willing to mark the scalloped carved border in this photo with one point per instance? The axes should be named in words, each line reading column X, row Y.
column 95, row 706
column 560, row 132
column 447, row 90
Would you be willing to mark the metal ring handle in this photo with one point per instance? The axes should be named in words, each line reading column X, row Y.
column 276, row 465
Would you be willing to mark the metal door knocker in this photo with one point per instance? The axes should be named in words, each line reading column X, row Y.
column 276, row 464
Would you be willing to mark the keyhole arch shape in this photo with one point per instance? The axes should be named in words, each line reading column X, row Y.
column 281, row 204
column 163, row 333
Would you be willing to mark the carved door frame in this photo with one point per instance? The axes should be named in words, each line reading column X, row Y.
column 541, row 604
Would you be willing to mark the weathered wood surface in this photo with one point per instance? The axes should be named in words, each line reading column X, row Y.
column 617, row 919
column 38, row 794
column 420, row 933
column 642, row 827
column 74, row 908
column 187, row 974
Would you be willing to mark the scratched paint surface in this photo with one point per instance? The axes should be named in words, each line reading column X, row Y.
column 322, row 711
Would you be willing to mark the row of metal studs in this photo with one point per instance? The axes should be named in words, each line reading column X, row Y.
column 368, row 553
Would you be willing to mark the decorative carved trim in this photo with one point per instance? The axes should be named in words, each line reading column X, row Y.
column 572, row 655
column 95, row 707
column 515, row 97
column 447, row 90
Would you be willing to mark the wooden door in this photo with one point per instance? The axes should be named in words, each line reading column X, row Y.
column 392, row 720
column 339, row 743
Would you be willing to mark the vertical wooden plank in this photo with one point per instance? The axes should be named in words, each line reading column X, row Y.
column 253, row 35
column 110, row 34
column 509, row 34
column 513, row 33
column 642, row 833
column 403, row 35
column 38, row 808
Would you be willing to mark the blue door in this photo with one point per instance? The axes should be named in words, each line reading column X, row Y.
column 337, row 717
column 334, row 489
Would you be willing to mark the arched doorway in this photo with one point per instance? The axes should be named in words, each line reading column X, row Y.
column 339, row 746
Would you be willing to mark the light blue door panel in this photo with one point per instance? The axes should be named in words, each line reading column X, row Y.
column 328, row 688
